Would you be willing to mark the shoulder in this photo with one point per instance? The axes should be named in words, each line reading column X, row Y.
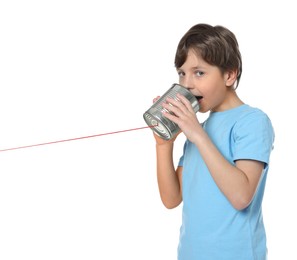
column 253, row 118
column 253, row 128
column 249, row 111
column 253, row 135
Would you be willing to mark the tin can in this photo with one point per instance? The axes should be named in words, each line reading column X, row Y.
column 161, row 125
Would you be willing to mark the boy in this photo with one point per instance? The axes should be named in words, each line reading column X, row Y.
column 221, row 175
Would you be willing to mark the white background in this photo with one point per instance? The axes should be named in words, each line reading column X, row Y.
column 77, row 68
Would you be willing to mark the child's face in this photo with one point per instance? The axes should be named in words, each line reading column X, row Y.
column 205, row 80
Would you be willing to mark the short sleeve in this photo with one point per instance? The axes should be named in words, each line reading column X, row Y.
column 253, row 137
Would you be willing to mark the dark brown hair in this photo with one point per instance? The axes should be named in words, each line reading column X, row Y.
column 215, row 44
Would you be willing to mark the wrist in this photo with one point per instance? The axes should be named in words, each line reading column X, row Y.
column 165, row 146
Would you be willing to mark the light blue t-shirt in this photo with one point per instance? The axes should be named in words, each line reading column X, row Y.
column 211, row 228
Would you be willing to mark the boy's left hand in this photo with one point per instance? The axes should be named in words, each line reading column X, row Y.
column 183, row 115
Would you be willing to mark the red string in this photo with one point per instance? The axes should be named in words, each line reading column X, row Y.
column 77, row 138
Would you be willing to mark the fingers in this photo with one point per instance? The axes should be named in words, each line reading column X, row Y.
column 155, row 99
column 178, row 106
column 172, row 107
column 185, row 101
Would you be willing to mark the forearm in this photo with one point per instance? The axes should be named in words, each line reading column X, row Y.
column 233, row 181
column 168, row 181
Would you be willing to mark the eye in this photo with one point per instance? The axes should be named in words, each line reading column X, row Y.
column 180, row 73
column 199, row 73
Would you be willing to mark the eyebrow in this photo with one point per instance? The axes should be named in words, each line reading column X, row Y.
column 193, row 68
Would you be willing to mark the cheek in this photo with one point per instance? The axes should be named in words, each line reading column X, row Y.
column 210, row 89
column 214, row 93
column 217, row 86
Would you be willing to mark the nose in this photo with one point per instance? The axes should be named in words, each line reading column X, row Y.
column 187, row 82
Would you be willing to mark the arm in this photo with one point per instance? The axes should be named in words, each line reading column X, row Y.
column 237, row 182
column 169, row 179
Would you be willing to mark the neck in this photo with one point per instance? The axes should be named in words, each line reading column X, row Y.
column 231, row 101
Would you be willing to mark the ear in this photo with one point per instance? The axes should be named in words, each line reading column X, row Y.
column 230, row 77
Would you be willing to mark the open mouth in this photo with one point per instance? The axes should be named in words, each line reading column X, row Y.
column 198, row 97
